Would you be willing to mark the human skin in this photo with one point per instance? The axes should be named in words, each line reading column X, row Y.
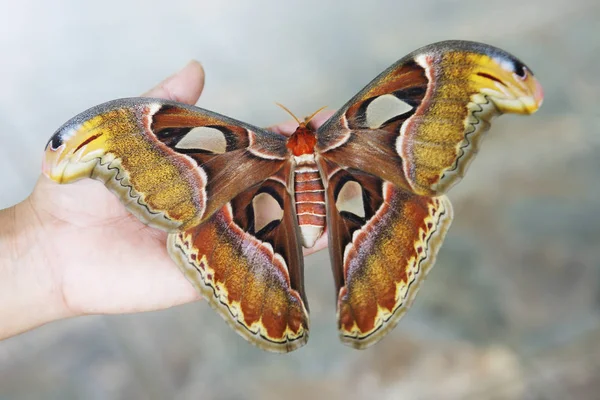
column 72, row 250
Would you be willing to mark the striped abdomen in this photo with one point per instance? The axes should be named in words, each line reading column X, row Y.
column 310, row 200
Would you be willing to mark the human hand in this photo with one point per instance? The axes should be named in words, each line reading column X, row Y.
column 83, row 253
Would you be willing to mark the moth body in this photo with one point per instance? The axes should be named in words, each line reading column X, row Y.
column 310, row 199
column 309, row 193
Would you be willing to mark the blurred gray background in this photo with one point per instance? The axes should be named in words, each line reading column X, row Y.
column 511, row 310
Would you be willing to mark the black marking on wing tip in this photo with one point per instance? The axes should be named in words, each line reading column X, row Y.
column 55, row 141
column 520, row 69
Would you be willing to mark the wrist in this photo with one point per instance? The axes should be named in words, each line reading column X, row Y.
column 29, row 293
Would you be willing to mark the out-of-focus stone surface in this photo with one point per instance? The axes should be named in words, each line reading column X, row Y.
column 509, row 312
column 415, row 369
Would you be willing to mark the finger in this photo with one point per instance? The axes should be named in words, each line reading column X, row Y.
column 320, row 118
column 287, row 128
column 185, row 86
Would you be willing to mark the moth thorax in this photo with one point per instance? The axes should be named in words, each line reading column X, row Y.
column 302, row 141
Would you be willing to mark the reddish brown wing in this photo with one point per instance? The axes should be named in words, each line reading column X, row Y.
column 246, row 260
column 383, row 240
column 388, row 156
column 220, row 186
column 419, row 123
column 172, row 165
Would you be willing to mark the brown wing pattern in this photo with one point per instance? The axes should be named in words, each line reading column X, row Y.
column 419, row 123
column 220, row 186
column 172, row 165
column 388, row 156
column 383, row 241
column 246, row 260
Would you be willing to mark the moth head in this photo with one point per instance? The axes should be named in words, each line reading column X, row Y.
column 73, row 151
column 304, row 139
column 509, row 84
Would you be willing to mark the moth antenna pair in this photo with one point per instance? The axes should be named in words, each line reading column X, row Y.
column 307, row 119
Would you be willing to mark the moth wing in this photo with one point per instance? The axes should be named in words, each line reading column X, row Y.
column 419, row 123
column 246, row 261
column 172, row 165
column 383, row 240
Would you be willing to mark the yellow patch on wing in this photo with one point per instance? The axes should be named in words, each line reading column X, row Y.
column 465, row 92
column 387, row 263
column 244, row 281
column 163, row 188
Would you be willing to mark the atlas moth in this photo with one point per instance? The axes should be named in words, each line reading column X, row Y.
column 239, row 202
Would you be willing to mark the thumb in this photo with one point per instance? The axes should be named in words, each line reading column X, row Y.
column 185, row 86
